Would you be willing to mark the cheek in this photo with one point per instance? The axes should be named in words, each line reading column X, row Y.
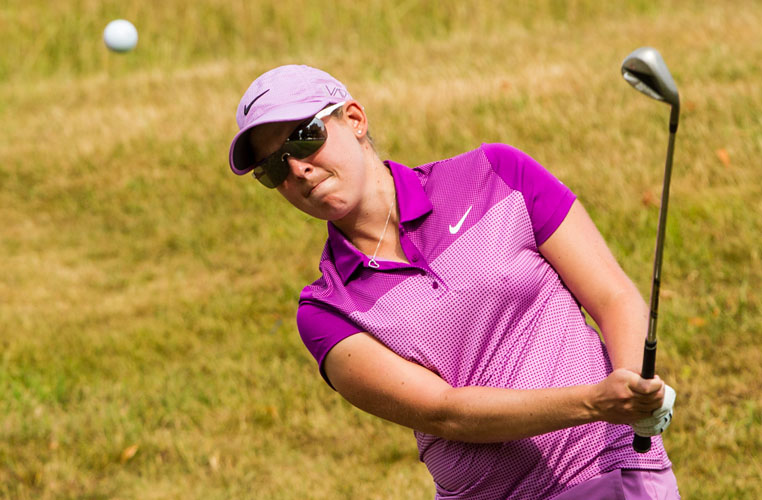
column 342, row 141
column 347, row 161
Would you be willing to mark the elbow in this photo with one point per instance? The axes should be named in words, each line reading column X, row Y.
column 441, row 421
column 472, row 415
column 448, row 427
column 456, row 431
column 451, row 420
column 461, row 429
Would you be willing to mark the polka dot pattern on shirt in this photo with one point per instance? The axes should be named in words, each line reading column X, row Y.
column 499, row 316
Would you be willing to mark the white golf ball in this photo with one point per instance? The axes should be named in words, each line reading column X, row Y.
column 120, row 35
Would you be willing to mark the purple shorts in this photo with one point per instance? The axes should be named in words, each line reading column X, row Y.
column 626, row 484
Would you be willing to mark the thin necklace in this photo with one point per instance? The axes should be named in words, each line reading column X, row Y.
column 372, row 262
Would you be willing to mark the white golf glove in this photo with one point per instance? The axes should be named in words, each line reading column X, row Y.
column 660, row 419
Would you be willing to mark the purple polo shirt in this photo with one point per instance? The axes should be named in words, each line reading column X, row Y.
column 479, row 306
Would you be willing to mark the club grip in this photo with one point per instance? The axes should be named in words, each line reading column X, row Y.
column 639, row 443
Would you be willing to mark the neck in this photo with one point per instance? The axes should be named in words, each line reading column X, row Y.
column 364, row 227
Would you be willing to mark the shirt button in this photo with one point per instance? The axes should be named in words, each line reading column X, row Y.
column 435, row 285
column 415, row 258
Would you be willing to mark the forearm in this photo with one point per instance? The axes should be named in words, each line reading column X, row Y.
column 377, row 380
column 485, row 414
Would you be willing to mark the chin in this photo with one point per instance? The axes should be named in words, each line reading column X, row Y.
column 332, row 210
column 322, row 214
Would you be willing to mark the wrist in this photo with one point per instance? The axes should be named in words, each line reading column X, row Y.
column 589, row 403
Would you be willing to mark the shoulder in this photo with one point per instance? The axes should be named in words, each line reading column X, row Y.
column 473, row 158
column 492, row 162
column 471, row 169
column 517, row 168
column 503, row 159
column 498, row 152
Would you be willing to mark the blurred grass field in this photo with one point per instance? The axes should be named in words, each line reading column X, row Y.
column 148, row 347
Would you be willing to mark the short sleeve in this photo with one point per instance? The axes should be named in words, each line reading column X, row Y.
column 547, row 199
column 321, row 329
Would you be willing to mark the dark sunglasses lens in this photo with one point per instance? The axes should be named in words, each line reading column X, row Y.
column 273, row 172
column 261, row 175
column 303, row 142
column 302, row 149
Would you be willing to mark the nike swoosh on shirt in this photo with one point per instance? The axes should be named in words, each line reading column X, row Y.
column 248, row 107
column 454, row 229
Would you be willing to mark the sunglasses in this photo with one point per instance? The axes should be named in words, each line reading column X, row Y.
column 304, row 141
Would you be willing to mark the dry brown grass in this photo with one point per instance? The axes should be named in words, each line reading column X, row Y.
column 147, row 297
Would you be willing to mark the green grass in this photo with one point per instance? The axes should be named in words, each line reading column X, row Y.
column 147, row 295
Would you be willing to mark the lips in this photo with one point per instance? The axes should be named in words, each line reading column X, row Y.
column 312, row 189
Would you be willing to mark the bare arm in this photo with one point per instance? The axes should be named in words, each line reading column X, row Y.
column 581, row 257
column 375, row 379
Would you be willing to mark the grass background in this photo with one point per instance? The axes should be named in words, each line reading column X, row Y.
column 148, row 346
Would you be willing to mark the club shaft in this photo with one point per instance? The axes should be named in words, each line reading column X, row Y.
column 656, row 280
column 643, row 444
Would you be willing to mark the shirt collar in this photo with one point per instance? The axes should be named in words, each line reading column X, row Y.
column 411, row 198
column 412, row 202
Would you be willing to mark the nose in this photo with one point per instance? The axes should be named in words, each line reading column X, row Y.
column 299, row 168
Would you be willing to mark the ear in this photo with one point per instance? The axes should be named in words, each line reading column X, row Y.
column 355, row 116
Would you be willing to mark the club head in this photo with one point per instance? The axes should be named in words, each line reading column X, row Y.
column 645, row 70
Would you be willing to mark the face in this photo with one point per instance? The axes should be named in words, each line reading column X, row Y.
column 329, row 183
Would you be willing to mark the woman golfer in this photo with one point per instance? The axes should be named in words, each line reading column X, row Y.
column 449, row 302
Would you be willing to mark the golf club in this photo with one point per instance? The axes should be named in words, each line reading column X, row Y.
column 645, row 70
